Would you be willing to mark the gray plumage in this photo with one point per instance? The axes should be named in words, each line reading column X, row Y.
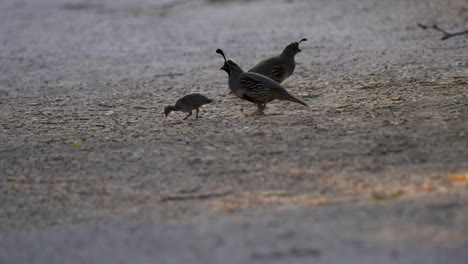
column 187, row 104
column 280, row 67
column 254, row 87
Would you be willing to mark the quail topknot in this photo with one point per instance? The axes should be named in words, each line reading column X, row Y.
column 187, row 104
column 254, row 87
column 280, row 67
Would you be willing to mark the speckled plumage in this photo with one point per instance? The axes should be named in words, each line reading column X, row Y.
column 187, row 104
column 254, row 87
column 280, row 67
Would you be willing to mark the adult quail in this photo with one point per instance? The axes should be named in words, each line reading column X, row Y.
column 279, row 67
column 187, row 104
column 254, row 87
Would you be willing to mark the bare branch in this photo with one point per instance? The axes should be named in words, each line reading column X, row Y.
column 422, row 26
column 446, row 34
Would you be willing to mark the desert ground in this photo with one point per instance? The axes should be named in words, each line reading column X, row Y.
column 374, row 171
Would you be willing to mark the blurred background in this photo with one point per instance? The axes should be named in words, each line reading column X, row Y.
column 92, row 45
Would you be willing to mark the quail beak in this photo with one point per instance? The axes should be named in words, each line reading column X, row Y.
column 299, row 50
column 166, row 112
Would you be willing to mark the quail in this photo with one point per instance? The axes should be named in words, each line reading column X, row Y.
column 254, row 87
column 280, row 67
column 187, row 104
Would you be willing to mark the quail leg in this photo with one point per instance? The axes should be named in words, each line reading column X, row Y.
column 189, row 114
column 261, row 107
column 197, row 114
column 259, row 110
column 264, row 104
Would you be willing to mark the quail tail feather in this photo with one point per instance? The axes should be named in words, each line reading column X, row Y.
column 285, row 96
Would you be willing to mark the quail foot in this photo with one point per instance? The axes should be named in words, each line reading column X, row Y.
column 280, row 67
column 254, row 87
column 187, row 104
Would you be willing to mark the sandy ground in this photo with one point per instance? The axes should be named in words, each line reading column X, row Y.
column 92, row 172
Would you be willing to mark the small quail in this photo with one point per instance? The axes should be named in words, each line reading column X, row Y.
column 254, row 87
column 280, row 67
column 187, row 104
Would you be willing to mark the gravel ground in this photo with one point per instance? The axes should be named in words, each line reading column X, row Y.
column 375, row 171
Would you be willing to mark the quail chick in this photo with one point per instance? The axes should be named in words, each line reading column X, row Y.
column 254, row 87
column 280, row 67
column 187, row 104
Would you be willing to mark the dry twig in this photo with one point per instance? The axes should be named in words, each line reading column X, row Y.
column 446, row 34
column 201, row 196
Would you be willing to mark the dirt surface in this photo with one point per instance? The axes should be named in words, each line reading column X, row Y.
column 372, row 172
